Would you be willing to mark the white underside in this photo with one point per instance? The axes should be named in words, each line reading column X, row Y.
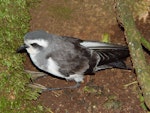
column 33, row 58
column 75, row 77
column 53, row 68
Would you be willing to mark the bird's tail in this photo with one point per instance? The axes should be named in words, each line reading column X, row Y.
column 111, row 55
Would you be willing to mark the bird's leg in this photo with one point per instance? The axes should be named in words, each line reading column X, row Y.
column 35, row 75
column 61, row 88
column 43, row 88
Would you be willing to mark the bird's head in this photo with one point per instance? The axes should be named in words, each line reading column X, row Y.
column 34, row 42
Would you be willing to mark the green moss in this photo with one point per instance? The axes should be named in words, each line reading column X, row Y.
column 92, row 90
column 14, row 23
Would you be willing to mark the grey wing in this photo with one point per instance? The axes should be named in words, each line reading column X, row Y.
column 71, row 39
column 71, row 57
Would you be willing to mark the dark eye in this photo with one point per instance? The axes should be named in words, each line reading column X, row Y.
column 34, row 45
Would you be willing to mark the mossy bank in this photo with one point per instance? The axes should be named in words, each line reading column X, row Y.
column 14, row 23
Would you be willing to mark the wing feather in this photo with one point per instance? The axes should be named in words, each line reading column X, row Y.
column 108, row 52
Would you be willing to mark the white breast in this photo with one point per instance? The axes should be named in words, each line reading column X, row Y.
column 33, row 58
column 53, row 68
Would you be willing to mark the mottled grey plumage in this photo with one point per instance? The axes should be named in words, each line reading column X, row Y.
column 72, row 58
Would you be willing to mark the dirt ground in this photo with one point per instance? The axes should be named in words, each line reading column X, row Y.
column 108, row 91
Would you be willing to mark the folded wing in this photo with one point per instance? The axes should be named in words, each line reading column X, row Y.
column 111, row 55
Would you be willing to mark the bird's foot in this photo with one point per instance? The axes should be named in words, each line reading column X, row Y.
column 35, row 75
column 36, row 86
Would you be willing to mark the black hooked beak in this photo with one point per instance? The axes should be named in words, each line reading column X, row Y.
column 22, row 48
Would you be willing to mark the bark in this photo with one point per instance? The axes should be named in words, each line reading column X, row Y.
column 135, row 41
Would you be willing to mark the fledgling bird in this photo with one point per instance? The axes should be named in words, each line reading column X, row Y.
column 72, row 58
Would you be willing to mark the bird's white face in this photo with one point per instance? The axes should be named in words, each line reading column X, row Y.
column 34, row 46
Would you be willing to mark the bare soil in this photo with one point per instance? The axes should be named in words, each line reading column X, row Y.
column 104, row 92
